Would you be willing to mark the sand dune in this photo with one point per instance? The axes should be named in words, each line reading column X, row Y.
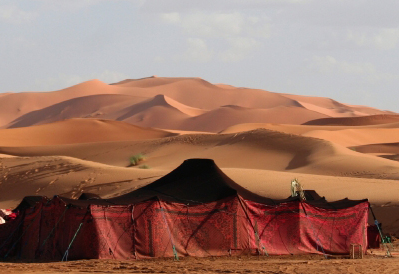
column 386, row 150
column 191, row 96
column 196, row 93
column 338, row 111
column 190, row 111
column 356, row 121
column 152, row 113
column 330, row 106
column 108, row 106
column 301, row 129
column 226, row 116
column 77, row 131
column 357, row 137
column 15, row 105
column 258, row 149
column 378, row 148
column 81, row 107
column 343, row 135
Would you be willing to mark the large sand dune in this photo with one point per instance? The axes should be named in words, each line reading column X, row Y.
column 191, row 96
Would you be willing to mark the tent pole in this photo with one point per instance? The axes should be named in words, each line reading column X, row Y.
column 388, row 252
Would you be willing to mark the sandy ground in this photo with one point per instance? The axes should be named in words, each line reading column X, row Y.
column 269, row 265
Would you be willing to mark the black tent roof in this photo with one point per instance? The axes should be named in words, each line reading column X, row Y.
column 194, row 181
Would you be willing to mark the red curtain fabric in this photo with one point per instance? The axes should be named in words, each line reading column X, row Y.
column 300, row 228
column 112, row 232
column 155, row 228
column 164, row 229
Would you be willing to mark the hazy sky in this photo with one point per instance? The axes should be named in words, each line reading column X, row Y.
column 344, row 49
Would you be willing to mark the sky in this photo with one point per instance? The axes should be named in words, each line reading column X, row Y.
column 347, row 50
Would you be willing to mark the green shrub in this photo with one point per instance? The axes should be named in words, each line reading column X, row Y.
column 136, row 159
column 144, row 167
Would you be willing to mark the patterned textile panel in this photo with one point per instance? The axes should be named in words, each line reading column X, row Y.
column 333, row 231
column 277, row 227
column 113, row 229
column 176, row 229
column 300, row 228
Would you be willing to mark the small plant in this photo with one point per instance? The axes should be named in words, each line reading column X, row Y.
column 136, row 159
column 144, row 167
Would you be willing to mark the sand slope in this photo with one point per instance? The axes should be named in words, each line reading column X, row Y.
column 60, row 175
column 76, row 131
column 81, row 107
column 356, row 121
column 343, row 135
column 333, row 108
column 226, row 116
column 259, row 149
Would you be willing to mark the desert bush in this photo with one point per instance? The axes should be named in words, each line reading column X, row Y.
column 144, row 167
column 136, row 159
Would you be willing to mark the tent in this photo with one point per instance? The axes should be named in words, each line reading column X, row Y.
column 196, row 210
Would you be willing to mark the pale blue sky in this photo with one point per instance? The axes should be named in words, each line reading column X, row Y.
column 347, row 50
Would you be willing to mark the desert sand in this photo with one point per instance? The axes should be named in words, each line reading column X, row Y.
column 79, row 139
column 268, row 265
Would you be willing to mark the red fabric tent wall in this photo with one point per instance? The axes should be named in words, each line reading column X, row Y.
column 28, row 241
column 166, row 229
column 155, row 228
column 300, row 228
column 112, row 233
column 48, row 229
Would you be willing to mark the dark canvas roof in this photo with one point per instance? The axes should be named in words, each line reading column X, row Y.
column 194, row 181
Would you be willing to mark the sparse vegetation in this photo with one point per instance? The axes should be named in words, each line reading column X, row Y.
column 144, row 167
column 136, row 159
